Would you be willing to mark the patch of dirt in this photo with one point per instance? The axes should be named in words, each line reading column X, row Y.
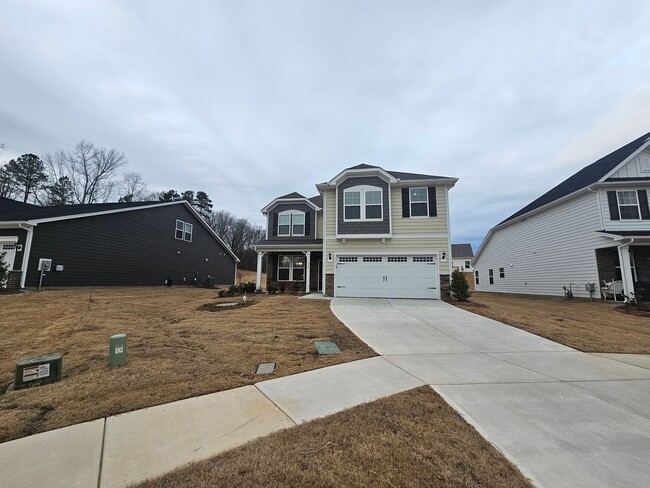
column 223, row 306
column 409, row 439
column 589, row 326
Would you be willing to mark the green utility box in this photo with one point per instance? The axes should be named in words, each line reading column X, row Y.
column 39, row 370
column 117, row 355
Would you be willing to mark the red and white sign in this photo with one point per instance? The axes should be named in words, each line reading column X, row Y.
column 31, row 373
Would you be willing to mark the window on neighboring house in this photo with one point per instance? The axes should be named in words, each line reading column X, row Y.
column 291, row 268
column 491, row 276
column 628, row 205
column 419, row 201
column 362, row 203
column 502, row 272
column 476, row 277
column 291, row 223
column 184, row 231
column 467, row 264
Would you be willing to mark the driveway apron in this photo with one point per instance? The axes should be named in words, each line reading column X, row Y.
column 564, row 417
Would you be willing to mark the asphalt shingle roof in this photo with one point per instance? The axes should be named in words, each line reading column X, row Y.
column 461, row 251
column 11, row 210
column 585, row 177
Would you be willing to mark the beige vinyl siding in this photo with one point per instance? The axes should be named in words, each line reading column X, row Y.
column 546, row 251
column 395, row 245
column 419, row 225
column 624, row 224
column 635, row 167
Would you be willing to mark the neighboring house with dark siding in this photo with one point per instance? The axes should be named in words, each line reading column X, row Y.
column 592, row 228
column 369, row 233
column 112, row 244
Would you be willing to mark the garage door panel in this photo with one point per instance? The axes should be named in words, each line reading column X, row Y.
column 386, row 277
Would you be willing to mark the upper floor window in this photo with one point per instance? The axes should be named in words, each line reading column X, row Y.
column 184, row 231
column 419, row 201
column 291, row 223
column 362, row 203
column 628, row 205
column 467, row 264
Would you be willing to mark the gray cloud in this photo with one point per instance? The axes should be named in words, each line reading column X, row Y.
column 250, row 100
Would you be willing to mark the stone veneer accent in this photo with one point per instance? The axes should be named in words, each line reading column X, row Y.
column 13, row 280
column 329, row 285
column 445, row 281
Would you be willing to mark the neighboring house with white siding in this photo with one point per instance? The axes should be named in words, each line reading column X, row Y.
column 592, row 228
column 369, row 233
column 462, row 255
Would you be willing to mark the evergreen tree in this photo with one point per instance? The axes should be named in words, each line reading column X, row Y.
column 60, row 193
column 459, row 287
column 28, row 172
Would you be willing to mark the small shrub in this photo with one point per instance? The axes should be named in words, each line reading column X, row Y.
column 271, row 289
column 281, row 288
column 4, row 270
column 233, row 289
column 222, row 293
column 247, row 287
column 459, row 287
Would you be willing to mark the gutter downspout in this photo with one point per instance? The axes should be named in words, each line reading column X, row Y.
column 600, row 207
column 625, row 267
column 28, row 249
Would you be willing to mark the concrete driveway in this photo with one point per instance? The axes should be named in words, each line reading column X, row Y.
column 566, row 418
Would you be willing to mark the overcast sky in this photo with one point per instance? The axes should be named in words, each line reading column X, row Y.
column 252, row 100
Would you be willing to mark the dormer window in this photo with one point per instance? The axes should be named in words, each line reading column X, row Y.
column 362, row 203
column 291, row 223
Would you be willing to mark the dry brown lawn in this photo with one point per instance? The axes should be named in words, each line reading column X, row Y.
column 410, row 439
column 175, row 351
column 587, row 326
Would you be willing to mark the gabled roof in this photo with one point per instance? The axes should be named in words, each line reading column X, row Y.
column 392, row 176
column 461, row 251
column 585, row 177
column 11, row 210
column 293, row 197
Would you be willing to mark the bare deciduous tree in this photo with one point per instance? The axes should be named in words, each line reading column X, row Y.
column 90, row 169
column 239, row 234
column 132, row 188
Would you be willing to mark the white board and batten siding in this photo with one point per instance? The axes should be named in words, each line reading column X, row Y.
column 637, row 167
column 546, row 251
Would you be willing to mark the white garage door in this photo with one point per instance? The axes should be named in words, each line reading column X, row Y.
column 395, row 276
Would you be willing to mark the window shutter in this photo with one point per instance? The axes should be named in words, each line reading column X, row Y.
column 433, row 210
column 274, row 223
column 406, row 211
column 613, row 205
column 643, row 203
column 307, row 227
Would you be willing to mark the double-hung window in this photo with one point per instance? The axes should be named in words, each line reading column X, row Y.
column 419, row 201
column 291, row 223
column 628, row 205
column 362, row 203
column 291, row 268
column 183, row 231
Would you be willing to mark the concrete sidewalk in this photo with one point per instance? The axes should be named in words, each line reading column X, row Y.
column 131, row 447
column 565, row 417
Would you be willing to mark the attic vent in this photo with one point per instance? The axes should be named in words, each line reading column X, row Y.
column 645, row 165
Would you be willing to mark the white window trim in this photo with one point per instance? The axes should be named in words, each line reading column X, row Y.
column 362, row 189
column 291, row 213
column 290, row 268
column 426, row 190
column 191, row 233
column 638, row 205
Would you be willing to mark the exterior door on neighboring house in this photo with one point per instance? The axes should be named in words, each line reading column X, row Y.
column 9, row 250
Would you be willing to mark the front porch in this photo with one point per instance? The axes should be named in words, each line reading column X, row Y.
column 294, row 269
column 629, row 264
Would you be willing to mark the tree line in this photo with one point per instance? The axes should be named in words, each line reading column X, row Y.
column 89, row 174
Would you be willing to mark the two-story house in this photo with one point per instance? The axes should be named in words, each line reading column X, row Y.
column 461, row 257
column 593, row 228
column 369, row 233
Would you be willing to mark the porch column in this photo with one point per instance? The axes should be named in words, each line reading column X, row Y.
column 258, row 279
column 307, row 270
column 626, row 270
